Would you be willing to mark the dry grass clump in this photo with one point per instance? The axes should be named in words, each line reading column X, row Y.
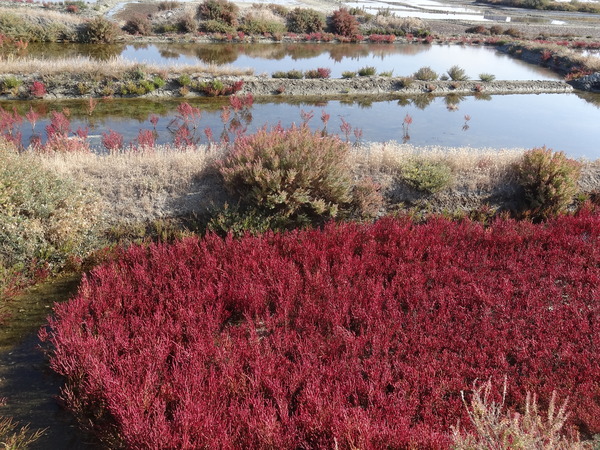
column 405, row 24
column 163, row 182
column 589, row 62
column 14, row 437
column 497, row 428
column 42, row 16
column 262, row 14
column 115, row 67
column 477, row 168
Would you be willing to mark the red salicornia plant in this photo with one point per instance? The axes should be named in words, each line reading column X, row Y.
column 353, row 336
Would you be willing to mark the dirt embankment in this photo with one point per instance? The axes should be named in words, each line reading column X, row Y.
column 391, row 85
column 71, row 88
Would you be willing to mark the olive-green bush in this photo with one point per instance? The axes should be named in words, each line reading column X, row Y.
column 293, row 173
column 549, row 180
column 44, row 217
column 427, row 176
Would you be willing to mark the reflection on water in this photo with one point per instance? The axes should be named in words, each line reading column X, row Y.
column 566, row 122
column 401, row 59
column 52, row 50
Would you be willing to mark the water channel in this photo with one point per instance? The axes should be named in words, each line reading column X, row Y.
column 401, row 59
column 566, row 122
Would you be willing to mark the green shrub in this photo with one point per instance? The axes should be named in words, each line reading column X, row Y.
column 549, row 180
column 348, row 74
column 487, row 77
column 388, row 73
column 237, row 221
column 425, row 74
column 10, row 85
column 158, row 82
column 291, row 74
column 147, row 86
column 367, row 71
column 291, row 173
column 254, row 25
column 20, row 28
column 184, row 80
column 167, row 28
column 132, row 88
column 43, row 217
column 303, row 20
column 218, row 10
column 13, row 26
column 216, row 26
column 99, row 31
column 344, row 23
column 457, row 73
column 426, row 176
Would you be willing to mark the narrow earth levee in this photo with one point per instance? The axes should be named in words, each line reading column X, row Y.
column 199, row 85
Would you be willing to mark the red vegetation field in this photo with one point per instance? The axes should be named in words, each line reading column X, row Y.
column 357, row 336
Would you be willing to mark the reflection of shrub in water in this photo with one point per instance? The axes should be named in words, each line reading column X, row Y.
column 265, row 51
column 423, row 101
column 217, row 53
column 340, row 51
column 66, row 50
column 305, row 51
column 482, row 96
column 452, row 100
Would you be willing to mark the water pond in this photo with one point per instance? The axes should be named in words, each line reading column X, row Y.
column 401, row 59
column 566, row 122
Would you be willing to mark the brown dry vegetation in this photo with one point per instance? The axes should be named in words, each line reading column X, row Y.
column 169, row 183
column 144, row 186
column 42, row 16
column 111, row 68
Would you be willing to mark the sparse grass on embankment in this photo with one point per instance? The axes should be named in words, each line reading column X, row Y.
column 115, row 67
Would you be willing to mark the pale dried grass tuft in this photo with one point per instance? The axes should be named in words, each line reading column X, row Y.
column 475, row 167
column 114, row 67
column 15, row 437
column 588, row 61
column 141, row 185
column 406, row 24
column 262, row 14
column 43, row 16
column 497, row 428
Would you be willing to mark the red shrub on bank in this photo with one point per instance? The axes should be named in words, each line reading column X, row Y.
column 37, row 89
column 344, row 23
column 351, row 337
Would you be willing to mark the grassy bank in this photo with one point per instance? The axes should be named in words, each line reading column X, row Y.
column 61, row 206
column 68, row 210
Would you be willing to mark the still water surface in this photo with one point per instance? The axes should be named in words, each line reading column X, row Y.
column 401, row 59
column 566, row 122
